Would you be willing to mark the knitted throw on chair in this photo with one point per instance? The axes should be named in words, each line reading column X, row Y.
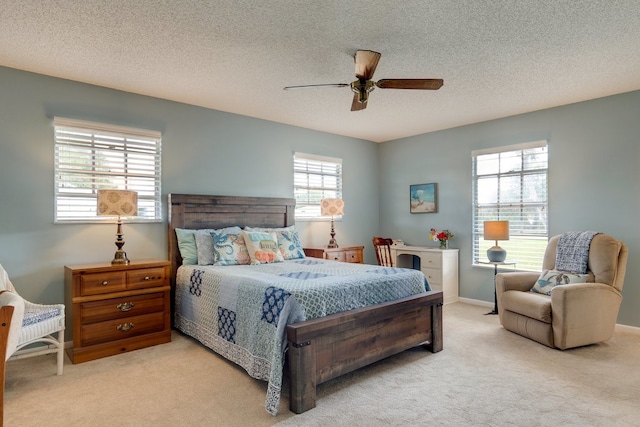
column 573, row 251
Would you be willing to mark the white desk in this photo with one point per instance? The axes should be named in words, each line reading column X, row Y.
column 440, row 266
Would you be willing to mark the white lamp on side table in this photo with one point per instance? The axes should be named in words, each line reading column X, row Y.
column 332, row 208
column 118, row 203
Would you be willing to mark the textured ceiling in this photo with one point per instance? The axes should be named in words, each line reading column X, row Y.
column 497, row 57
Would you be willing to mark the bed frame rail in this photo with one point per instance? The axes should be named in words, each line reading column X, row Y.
column 325, row 348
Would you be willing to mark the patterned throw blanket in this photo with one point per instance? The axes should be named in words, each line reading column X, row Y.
column 241, row 311
column 573, row 251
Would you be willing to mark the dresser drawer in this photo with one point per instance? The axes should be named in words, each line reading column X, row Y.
column 353, row 256
column 111, row 330
column 102, row 283
column 336, row 256
column 116, row 308
column 145, row 278
column 434, row 275
column 431, row 260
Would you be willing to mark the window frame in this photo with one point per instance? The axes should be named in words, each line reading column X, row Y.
column 89, row 156
column 324, row 177
column 527, row 242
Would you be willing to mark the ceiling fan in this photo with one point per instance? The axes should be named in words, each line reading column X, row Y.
column 366, row 63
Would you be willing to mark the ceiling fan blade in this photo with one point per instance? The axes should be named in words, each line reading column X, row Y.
column 319, row 85
column 356, row 105
column 366, row 63
column 422, row 84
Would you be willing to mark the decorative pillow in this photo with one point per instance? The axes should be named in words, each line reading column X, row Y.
column 552, row 278
column 229, row 247
column 288, row 241
column 204, row 246
column 262, row 247
column 187, row 246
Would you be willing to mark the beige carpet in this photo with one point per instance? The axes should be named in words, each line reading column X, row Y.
column 484, row 376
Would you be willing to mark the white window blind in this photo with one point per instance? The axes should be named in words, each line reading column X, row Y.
column 92, row 156
column 315, row 178
column 510, row 183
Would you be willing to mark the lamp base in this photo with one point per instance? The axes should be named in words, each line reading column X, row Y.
column 496, row 254
column 333, row 243
column 120, row 258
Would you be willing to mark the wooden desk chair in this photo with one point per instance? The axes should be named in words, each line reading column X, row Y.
column 383, row 251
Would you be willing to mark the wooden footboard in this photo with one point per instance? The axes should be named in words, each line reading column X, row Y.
column 325, row 348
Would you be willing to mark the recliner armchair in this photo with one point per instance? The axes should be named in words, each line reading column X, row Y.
column 575, row 314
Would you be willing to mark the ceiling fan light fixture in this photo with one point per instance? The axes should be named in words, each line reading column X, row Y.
column 362, row 88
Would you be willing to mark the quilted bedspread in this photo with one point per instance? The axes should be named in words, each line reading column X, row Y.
column 241, row 311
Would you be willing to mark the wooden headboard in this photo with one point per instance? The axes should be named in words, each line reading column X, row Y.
column 195, row 211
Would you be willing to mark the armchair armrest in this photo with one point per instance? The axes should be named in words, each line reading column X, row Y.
column 583, row 313
column 515, row 281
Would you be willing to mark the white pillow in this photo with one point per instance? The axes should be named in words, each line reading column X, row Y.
column 263, row 247
column 204, row 243
column 229, row 247
column 288, row 241
column 549, row 279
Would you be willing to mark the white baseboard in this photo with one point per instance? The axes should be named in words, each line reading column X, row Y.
column 476, row 302
column 628, row 329
column 619, row 327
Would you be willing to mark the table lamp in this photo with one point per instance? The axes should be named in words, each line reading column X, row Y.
column 118, row 203
column 496, row 230
column 332, row 207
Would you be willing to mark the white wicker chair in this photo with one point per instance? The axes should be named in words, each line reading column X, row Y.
column 42, row 324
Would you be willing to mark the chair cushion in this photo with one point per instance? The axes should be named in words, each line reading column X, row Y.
column 552, row 278
column 530, row 304
column 36, row 313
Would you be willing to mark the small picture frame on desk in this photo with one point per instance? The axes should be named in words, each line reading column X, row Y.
column 423, row 198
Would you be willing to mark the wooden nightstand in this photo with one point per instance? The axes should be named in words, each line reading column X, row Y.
column 117, row 308
column 343, row 253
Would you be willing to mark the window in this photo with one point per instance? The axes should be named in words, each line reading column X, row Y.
column 510, row 183
column 315, row 178
column 93, row 156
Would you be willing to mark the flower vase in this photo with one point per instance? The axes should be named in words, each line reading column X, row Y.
column 444, row 244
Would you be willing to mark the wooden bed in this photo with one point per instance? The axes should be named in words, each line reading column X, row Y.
column 324, row 348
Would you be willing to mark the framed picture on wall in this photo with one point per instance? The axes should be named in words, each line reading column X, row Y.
column 423, row 198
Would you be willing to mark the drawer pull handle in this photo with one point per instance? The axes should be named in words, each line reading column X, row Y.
column 105, row 283
column 147, row 278
column 127, row 306
column 126, row 327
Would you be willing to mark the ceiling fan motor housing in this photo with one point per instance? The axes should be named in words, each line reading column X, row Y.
column 362, row 87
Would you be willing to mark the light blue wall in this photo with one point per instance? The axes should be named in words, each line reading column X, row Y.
column 594, row 181
column 203, row 152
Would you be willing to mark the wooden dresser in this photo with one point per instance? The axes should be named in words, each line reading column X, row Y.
column 343, row 253
column 117, row 308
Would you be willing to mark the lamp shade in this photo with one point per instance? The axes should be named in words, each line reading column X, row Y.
column 496, row 230
column 331, row 207
column 117, row 203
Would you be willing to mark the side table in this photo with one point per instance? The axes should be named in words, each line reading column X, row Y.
column 352, row 254
column 117, row 308
column 495, row 271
